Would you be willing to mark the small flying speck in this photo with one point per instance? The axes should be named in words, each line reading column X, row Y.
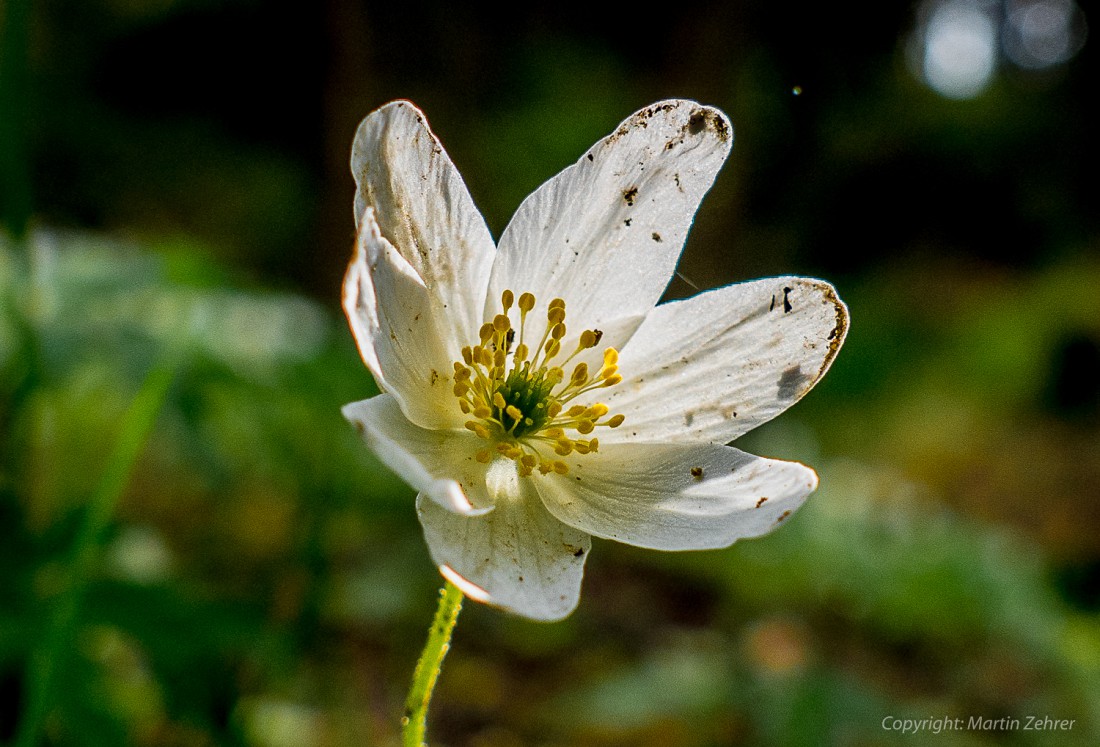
column 797, row 90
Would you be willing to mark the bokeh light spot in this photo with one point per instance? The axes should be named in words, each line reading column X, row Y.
column 1043, row 33
column 960, row 49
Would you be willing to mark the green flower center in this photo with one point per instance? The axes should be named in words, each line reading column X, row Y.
column 518, row 400
column 530, row 395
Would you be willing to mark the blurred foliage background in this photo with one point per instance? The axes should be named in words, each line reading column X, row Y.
column 198, row 551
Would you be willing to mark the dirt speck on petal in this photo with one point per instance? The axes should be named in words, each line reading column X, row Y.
column 793, row 382
column 708, row 119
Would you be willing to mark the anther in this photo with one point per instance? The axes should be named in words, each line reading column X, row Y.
column 506, row 299
column 526, row 302
column 478, row 428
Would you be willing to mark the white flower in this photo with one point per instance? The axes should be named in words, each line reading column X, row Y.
column 535, row 394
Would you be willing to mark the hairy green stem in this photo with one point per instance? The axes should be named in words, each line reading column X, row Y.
column 62, row 623
column 415, row 722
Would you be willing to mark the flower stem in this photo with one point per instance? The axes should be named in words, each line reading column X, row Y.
column 414, row 724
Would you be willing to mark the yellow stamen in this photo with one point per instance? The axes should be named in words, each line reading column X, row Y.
column 521, row 404
column 478, row 428
column 597, row 411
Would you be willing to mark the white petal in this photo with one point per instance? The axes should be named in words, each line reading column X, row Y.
column 517, row 557
column 425, row 211
column 714, row 366
column 605, row 233
column 401, row 330
column 435, row 462
column 676, row 497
